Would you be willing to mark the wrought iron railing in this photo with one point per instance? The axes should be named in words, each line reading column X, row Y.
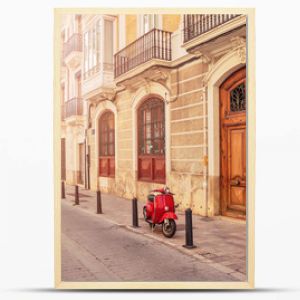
column 154, row 44
column 73, row 107
column 195, row 25
column 106, row 67
column 73, row 44
column 91, row 71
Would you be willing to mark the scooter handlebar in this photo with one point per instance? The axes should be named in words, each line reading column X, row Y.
column 158, row 190
column 162, row 191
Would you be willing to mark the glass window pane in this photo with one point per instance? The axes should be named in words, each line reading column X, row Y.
column 98, row 41
column 155, row 21
column 157, row 129
column 104, row 137
column 148, row 116
column 238, row 98
column 103, row 149
column 151, row 127
column 156, row 149
column 148, row 131
column 151, row 140
column 146, row 23
column 109, row 39
column 106, row 134
column 110, row 149
column 111, row 136
column 148, row 147
column 142, row 147
column 110, row 123
column 85, row 51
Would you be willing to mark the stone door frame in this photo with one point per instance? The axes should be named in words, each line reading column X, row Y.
column 221, row 70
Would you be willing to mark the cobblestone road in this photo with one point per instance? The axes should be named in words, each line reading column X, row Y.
column 94, row 249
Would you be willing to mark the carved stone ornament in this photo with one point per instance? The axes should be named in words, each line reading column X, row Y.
column 146, row 83
column 102, row 94
column 108, row 95
column 242, row 53
column 154, row 74
column 207, row 59
column 239, row 45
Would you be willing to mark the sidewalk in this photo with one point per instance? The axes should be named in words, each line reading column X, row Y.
column 220, row 242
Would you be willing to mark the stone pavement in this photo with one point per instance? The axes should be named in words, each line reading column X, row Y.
column 220, row 241
column 94, row 249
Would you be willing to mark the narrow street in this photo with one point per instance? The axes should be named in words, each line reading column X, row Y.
column 94, row 249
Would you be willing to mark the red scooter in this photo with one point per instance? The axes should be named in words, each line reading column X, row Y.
column 160, row 209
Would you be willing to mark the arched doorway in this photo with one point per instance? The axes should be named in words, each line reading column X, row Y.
column 233, row 145
column 151, row 140
column 106, row 144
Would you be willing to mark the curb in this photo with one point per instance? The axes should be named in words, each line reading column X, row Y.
column 239, row 276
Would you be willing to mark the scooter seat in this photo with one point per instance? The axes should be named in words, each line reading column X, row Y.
column 151, row 197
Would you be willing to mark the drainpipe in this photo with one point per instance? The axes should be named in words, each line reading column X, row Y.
column 205, row 154
column 177, row 89
column 194, row 57
column 85, row 159
column 87, row 126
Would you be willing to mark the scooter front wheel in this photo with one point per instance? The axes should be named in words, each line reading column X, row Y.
column 169, row 228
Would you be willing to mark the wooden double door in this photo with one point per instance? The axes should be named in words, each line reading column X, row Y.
column 233, row 145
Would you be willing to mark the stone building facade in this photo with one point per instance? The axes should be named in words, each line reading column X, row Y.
column 160, row 100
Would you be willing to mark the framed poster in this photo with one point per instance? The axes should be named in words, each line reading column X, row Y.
column 154, row 117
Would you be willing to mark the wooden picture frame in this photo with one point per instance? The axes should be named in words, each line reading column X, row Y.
column 245, row 52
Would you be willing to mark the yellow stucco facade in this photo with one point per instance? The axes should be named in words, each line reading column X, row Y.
column 187, row 84
column 170, row 22
column 131, row 26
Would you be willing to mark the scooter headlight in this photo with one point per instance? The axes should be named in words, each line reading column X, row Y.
column 167, row 208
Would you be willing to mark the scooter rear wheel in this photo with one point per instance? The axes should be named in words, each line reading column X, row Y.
column 169, row 228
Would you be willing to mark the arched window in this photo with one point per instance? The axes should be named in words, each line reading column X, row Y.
column 107, row 145
column 151, row 141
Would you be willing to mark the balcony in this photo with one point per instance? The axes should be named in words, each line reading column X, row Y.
column 72, row 50
column 96, row 80
column 195, row 25
column 72, row 108
column 199, row 30
column 155, row 44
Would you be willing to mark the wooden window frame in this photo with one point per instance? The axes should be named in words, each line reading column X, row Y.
column 106, row 155
column 153, row 160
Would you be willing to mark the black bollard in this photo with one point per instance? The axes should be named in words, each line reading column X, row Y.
column 135, row 221
column 188, row 229
column 76, row 195
column 99, row 204
column 63, row 194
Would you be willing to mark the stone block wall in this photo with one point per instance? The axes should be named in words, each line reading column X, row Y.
column 188, row 143
column 188, row 111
